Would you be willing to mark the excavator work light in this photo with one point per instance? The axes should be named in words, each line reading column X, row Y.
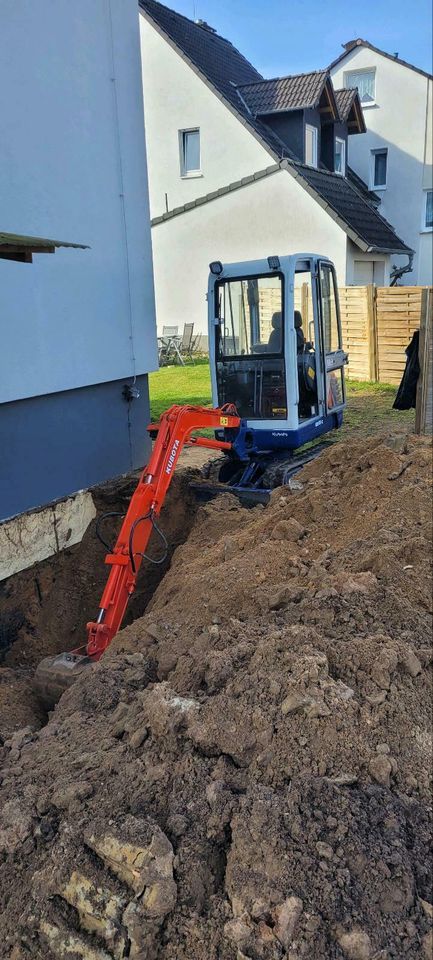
column 274, row 263
column 216, row 267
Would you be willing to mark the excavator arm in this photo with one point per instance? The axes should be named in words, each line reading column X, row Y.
column 174, row 431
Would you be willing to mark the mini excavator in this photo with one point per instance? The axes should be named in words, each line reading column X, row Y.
column 277, row 369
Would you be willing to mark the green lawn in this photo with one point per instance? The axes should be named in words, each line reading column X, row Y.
column 369, row 406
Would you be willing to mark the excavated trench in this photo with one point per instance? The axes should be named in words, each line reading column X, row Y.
column 44, row 609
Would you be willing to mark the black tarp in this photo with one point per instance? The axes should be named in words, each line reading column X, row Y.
column 406, row 393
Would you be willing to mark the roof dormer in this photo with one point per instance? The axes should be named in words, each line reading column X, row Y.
column 350, row 110
column 305, row 113
column 303, row 91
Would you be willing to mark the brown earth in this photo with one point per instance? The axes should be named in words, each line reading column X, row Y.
column 246, row 775
column 44, row 609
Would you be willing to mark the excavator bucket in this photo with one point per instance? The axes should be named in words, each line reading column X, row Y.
column 54, row 675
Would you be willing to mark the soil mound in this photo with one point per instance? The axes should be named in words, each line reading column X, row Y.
column 245, row 776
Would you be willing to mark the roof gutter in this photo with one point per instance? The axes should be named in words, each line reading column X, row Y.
column 393, row 250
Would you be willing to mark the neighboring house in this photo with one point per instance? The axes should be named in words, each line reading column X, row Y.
column 395, row 155
column 78, row 329
column 241, row 167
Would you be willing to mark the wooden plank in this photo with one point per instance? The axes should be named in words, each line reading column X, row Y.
column 372, row 332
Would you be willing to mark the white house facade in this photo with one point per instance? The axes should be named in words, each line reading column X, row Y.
column 394, row 157
column 243, row 168
column 78, row 329
column 176, row 100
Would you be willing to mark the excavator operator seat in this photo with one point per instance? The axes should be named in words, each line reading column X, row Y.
column 300, row 339
column 275, row 338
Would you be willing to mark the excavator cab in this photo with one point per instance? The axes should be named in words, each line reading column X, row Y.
column 276, row 353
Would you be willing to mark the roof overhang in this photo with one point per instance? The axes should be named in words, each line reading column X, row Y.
column 355, row 120
column 14, row 246
column 327, row 104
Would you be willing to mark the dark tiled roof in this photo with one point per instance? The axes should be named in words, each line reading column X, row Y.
column 356, row 211
column 345, row 100
column 348, row 103
column 226, row 70
column 360, row 185
column 285, row 93
column 352, row 44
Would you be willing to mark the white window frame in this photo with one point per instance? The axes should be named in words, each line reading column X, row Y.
column 424, row 227
column 184, row 172
column 315, row 158
column 373, row 154
column 346, row 84
column 342, row 172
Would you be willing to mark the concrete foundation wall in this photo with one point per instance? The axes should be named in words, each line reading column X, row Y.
column 54, row 445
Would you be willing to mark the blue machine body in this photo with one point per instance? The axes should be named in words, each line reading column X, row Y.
column 275, row 348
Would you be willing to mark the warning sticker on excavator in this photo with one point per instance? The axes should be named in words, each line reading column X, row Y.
column 224, row 421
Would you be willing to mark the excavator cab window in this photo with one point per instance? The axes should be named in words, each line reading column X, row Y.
column 305, row 341
column 334, row 356
column 250, row 346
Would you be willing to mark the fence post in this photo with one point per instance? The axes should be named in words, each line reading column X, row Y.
column 424, row 393
column 373, row 364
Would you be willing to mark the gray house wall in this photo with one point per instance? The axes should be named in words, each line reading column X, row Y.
column 327, row 145
column 78, row 325
column 54, row 445
column 289, row 126
column 329, row 132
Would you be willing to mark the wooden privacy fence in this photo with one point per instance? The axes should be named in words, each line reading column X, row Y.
column 377, row 325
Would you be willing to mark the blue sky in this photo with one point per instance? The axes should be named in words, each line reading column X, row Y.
column 291, row 36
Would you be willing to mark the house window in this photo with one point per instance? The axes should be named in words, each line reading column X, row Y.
column 340, row 156
column 428, row 210
column 189, row 144
column 311, row 145
column 365, row 81
column 379, row 165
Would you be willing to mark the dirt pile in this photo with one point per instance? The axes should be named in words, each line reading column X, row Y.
column 246, row 774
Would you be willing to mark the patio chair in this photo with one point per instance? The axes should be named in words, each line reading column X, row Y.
column 187, row 342
column 169, row 345
column 163, row 352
